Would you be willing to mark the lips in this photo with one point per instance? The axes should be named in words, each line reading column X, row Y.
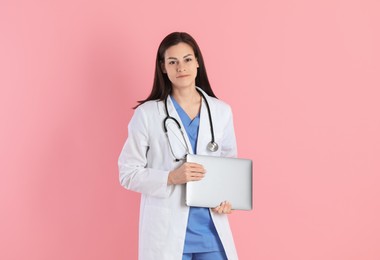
column 182, row 76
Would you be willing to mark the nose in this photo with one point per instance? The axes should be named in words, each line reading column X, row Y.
column 180, row 67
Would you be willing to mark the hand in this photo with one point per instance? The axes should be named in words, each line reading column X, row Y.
column 185, row 173
column 224, row 208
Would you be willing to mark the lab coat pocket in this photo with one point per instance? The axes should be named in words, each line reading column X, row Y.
column 155, row 227
column 218, row 137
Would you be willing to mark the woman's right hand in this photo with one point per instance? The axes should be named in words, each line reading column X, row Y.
column 188, row 171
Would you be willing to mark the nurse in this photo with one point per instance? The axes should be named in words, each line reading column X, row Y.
column 150, row 162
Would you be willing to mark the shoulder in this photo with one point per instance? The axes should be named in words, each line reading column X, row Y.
column 145, row 112
column 147, row 106
column 217, row 104
column 220, row 106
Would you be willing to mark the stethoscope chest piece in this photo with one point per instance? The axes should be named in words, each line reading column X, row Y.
column 212, row 146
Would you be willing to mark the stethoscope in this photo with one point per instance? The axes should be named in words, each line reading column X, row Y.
column 212, row 146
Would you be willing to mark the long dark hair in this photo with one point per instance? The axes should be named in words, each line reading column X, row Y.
column 162, row 86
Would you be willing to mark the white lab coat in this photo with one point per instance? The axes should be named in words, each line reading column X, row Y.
column 144, row 165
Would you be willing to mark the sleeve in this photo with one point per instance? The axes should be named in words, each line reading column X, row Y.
column 134, row 174
column 229, row 147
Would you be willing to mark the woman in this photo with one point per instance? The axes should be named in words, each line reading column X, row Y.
column 151, row 161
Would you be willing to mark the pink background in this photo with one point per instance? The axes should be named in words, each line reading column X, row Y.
column 302, row 78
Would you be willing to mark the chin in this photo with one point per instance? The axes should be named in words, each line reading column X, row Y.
column 184, row 84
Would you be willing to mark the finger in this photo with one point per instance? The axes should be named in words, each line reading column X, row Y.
column 228, row 207
column 221, row 208
column 196, row 178
column 200, row 170
column 196, row 167
column 225, row 208
column 216, row 209
column 195, row 173
column 191, row 171
column 192, row 164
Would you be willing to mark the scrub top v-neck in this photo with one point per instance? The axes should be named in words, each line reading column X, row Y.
column 201, row 235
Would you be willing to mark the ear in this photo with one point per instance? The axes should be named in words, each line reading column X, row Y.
column 163, row 68
column 197, row 63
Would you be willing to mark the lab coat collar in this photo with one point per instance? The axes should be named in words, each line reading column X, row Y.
column 204, row 134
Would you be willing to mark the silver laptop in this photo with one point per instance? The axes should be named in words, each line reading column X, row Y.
column 228, row 179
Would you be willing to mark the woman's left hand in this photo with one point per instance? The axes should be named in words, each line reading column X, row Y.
column 224, row 208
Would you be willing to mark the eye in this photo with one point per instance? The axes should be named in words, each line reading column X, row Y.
column 172, row 62
column 188, row 59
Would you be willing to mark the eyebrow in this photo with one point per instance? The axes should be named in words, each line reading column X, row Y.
column 173, row 58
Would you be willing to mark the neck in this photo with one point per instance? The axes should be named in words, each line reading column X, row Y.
column 186, row 96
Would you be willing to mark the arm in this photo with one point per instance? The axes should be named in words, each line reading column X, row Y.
column 228, row 144
column 134, row 173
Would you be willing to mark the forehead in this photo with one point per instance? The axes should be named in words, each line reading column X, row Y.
column 179, row 50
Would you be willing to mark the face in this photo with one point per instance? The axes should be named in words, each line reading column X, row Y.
column 180, row 64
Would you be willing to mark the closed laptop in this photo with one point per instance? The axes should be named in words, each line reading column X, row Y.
column 226, row 179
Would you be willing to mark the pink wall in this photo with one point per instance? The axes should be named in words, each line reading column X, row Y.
column 302, row 78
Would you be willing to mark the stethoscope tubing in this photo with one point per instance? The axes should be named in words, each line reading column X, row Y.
column 212, row 146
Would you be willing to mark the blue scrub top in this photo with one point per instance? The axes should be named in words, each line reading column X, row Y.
column 201, row 235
